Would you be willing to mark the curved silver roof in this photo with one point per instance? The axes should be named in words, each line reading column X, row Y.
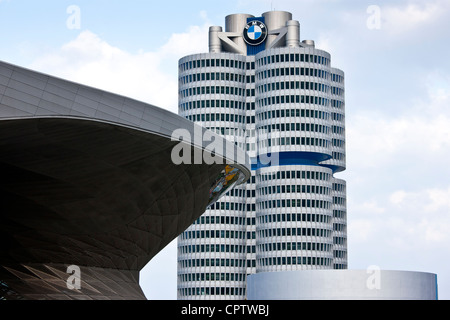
column 88, row 179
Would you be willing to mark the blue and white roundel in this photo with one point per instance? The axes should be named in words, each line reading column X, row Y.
column 255, row 32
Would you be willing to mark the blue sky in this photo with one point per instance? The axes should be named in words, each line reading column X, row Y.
column 397, row 100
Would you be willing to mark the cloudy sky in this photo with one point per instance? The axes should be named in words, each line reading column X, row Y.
column 396, row 58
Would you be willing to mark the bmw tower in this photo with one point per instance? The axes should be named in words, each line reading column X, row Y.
column 280, row 99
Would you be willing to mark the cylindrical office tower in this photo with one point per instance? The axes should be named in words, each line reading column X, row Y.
column 217, row 252
column 294, row 196
column 283, row 103
column 338, row 163
column 339, row 193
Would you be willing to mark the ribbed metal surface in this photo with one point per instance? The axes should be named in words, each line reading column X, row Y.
column 88, row 179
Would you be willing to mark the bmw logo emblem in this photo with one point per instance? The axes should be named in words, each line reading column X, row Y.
column 255, row 32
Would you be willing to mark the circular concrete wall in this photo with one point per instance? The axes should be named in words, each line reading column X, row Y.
column 371, row 284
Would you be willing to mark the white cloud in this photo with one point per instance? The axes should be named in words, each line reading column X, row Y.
column 369, row 207
column 420, row 133
column 437, row 86
column 398, row 197
column 432, row 201
column 144, row 76
column 401, row 160
column 90, row 60
column 438, row 199
column 360, row 230
column 195, row 40
column 403, row 19
column 407, row 220
column 375, row 140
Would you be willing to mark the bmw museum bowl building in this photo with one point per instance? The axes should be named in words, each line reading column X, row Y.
column 89, row 189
